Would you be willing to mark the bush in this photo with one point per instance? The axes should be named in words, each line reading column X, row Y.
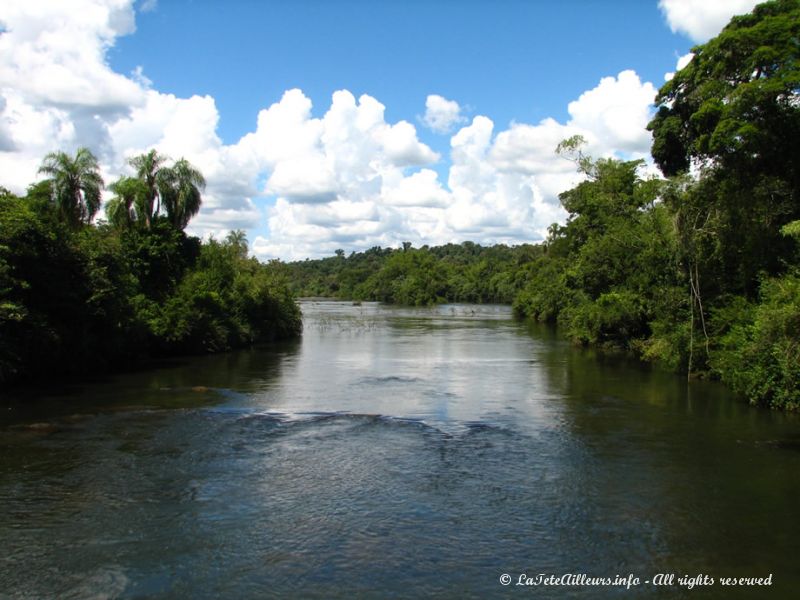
column 759, row 353
column 547, row 292
column 92, row 298
column 226, row 301
column 614, row 319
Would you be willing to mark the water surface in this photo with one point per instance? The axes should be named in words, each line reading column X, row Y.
column 394, row 453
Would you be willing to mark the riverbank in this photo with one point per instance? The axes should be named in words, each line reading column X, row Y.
column 95, row 298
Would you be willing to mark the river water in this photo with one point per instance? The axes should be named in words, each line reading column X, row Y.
column 395, row 453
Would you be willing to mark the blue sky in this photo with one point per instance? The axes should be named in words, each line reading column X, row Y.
column 511, row 59
column 346, row 124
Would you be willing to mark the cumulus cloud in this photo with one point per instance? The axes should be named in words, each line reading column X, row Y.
column 6, row 137
column 680, row 64
column 502, row 187
column 616, row 112
column 53, row 52
column 702, row 19
column 441, row 114
column 56, row 90
column 309, row 181
column 421, row 189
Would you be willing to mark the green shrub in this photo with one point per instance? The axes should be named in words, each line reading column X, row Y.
column 759, row 353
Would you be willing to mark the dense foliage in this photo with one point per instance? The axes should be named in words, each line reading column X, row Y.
column 464, row 272
column 76, row 297
column 733, row 113
column 699, row 272
column 735, row 104
column 612, row 270
column 639, row 265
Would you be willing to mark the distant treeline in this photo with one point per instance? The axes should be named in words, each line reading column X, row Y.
column 699, row 272
column 465, row 272
column 82, row 298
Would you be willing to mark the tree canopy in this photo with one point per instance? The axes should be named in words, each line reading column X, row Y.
column 77, row 296
column 734, row 112
column 176, row 189
column 736, row 103
column 75, row 184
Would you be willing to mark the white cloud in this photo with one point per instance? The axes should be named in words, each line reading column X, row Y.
column 53, row 52
column 7, row 143
column 401, row 145
column 441, row 114
column 680, row 64
column 530, row 149
column 284, row 131
column 345, row 179
column 702, row 19
column 56, row 90
column 304, row 180
column 616, row 112
column 684, row 60
column 496, row 189
column 178, row 126
column 421, row 189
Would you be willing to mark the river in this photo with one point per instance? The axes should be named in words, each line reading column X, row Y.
column 396, row 453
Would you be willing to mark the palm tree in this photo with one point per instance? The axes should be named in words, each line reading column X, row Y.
column 128, row 204
column 179, row 188
column 148, row 170
column 237, row 239
column 76, row 184
column 176, row 188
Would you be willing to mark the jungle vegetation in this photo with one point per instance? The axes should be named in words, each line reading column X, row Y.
column 78, row 297
column 466, row 272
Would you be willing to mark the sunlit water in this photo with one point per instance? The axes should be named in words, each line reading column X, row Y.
column 394, row 453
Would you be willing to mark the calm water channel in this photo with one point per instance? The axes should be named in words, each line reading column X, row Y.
column 395, row 453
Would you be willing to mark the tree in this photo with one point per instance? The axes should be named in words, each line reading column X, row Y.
column 734, row 111
column 128, row 204
column 572, row 149
column 608, row 276
column 148, row 170
column 75, row 185
column 237, row 239
column 736, row 103
column 84, row 299
column 179, row 188
column 176, row 188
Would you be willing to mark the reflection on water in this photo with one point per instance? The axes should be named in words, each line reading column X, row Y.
column 397, row 453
